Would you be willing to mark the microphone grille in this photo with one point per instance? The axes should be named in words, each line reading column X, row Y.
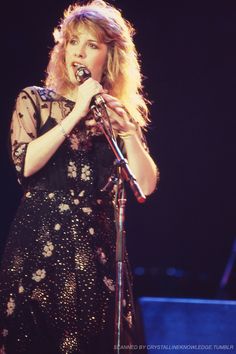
column 82, row 74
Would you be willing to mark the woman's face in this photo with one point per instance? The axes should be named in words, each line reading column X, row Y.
column 85, row 49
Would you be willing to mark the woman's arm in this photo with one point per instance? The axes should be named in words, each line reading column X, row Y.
column 41, row 149
column 140, row 161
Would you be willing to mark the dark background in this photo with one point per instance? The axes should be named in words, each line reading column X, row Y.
column 181, row 239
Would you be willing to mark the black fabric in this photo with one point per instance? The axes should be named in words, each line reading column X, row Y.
column 57, row 282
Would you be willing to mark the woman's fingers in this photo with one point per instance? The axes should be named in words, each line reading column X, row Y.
column 120, row 124
column 119, row 118
column 114, row 104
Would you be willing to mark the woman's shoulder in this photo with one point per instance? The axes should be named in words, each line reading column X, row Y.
column 44, row 93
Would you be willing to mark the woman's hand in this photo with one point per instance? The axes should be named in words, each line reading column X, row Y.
column 85, row 93
column 140, row 162
column 119, row 117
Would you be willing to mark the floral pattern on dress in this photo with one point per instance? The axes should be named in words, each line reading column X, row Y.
column 10, row 306
column 85, row 173
column 109, row 283
column 47, row 94
column 72, row 170
column 87, row 210
column 101, row 256
column 81, row 194
column 57, row 227
column 4, row 332
column 65, row 260
column 19, row 151
column 48, row 248
column 39, row 275
column 63, row 207
column 21, row 289
column 76, row 201
column 129, row 319
column 2, row 350
column 18, row 154
column 74, row 141
column 91, row 231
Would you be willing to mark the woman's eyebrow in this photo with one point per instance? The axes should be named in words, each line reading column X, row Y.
column 91, row 39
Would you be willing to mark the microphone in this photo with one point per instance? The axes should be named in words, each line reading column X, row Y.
column 82, row 74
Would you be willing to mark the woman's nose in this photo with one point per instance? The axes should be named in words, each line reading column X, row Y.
column 80, row 52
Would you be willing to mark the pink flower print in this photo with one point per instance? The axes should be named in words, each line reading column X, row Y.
column 109, row 283
column 129, row 319
column 4, row 332
column 10, row 306
column 74, row 141
column 101, row 255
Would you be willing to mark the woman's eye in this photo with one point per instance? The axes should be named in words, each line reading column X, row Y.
column 73, row 41
column 93, row 45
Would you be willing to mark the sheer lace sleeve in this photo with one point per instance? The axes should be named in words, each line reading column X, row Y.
column 24, row 128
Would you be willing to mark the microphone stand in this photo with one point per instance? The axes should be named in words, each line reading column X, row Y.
column 123, row 173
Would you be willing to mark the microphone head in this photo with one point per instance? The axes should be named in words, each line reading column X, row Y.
column 82, row 74
column 98, row 100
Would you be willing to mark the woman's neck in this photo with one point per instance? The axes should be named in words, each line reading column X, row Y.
column 71, row 94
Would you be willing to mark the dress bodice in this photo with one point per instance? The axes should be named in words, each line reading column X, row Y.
column 83, row 161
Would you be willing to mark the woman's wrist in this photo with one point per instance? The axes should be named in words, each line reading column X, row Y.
column 126, row 135
column 69, row 122
column 63, row 131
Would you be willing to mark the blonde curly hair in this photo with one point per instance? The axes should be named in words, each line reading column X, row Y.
column 122, row 76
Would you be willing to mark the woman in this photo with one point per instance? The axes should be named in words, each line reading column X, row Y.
column 58, row 270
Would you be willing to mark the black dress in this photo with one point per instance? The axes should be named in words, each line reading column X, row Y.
column 58, row 271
